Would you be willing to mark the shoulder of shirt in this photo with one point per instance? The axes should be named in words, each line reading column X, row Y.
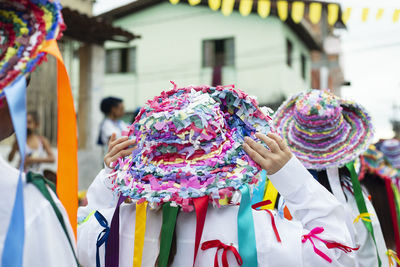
column 36, row 206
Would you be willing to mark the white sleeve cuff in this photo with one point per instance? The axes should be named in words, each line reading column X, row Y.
column 290, row 178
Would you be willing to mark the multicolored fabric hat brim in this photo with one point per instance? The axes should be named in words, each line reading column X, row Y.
column 333, row 153
column 26, row 26
column 374, row 162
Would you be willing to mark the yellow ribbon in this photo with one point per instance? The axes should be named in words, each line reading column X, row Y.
column 87, row 217
column 270, row 194
column 392, row 255
column 366, row 216
column 140, row 230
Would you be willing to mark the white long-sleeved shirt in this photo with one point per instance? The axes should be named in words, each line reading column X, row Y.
column 311, row 205
column 46, row 244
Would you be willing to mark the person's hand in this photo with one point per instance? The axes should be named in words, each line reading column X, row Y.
column 118, row 148
column 271, row 160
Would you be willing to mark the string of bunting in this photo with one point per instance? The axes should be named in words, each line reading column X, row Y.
column 297, row 10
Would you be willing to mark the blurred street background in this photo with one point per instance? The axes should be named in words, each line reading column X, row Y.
column 133, row 49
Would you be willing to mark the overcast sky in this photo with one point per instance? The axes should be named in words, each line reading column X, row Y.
column 371, row 58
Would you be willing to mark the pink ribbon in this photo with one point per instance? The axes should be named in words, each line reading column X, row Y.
column 329, row 244
column 313, row 234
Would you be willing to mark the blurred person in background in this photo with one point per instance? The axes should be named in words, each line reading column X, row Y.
column 38, row 149
column 113, row 110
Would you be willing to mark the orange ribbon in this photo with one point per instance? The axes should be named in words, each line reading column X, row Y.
column 67, row 166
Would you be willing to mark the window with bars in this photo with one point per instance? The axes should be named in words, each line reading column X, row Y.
column 121, row 60
column 219, row 52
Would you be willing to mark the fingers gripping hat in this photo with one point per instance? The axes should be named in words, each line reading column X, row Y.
column 190, row 145
column 391, row 149
column 323, row 130
column 25, row 26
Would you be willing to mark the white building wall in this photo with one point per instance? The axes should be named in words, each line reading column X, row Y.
column 171, row 49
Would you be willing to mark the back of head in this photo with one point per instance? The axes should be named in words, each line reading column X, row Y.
column 108, row 103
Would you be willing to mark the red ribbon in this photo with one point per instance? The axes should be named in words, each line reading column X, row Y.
column 200, row 205
column 264, row 203
column 393, row 212
column 313, row 234
column 219, row 245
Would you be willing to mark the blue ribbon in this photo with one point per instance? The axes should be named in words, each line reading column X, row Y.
column 246, row 233
column 103, row 236
column 13, row 250
column 259, row 191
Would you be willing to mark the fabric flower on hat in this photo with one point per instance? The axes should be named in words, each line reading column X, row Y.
column 190, row 145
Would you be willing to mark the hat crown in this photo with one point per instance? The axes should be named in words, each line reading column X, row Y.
column 173, row 115
column 318, row 109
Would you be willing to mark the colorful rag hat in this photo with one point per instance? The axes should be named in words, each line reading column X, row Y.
column 373, row 161
column 190, row 145
column 25, row 25
column 391, row 149
column 323, row 130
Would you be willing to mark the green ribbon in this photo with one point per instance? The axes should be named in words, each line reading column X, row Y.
column 167, row 232
column 362, row 207
column 246, row 233
column 40, row 182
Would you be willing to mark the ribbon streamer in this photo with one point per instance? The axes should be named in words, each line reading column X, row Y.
column 167, row 231
column 200, row 205
column 270, row 194
column 246, row 234
column 313, row 234
column 102, row 237
column 112, row 245
column 364, row 217
column 140, row 230
column 362, row 207
column 329, row 244
column 13, row 250
column 219, row 245
column 67, row 169
column 392, row 256
column 261, row 204
column 393, row 212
